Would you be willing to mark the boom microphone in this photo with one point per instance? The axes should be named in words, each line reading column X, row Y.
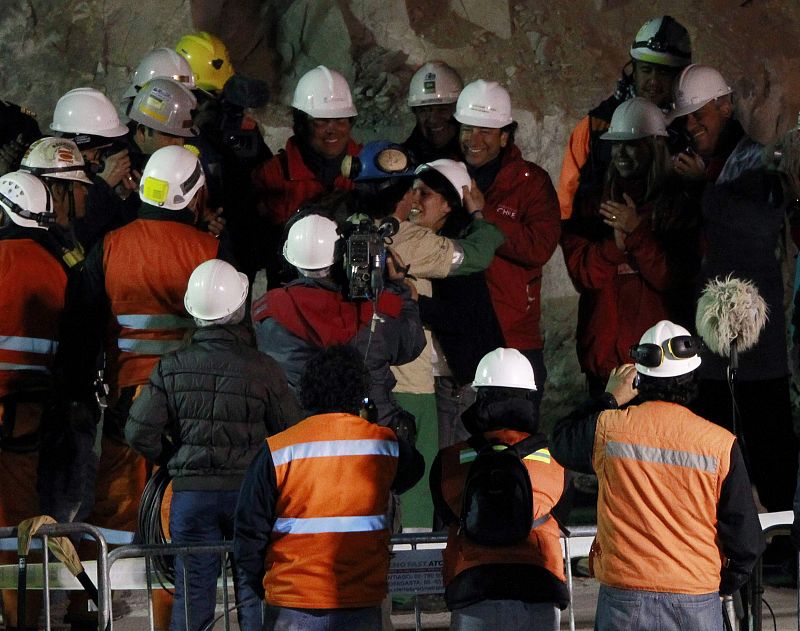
column 731, row 315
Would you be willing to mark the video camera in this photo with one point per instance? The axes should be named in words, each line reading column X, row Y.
column 365, row 257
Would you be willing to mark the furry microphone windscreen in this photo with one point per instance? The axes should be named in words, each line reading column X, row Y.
column 730, row 309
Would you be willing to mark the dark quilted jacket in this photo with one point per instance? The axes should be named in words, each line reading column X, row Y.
column 209, row 407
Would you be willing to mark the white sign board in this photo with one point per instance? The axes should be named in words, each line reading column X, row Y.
column 416, row 572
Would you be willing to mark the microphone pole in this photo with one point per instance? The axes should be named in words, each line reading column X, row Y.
column 733, row 366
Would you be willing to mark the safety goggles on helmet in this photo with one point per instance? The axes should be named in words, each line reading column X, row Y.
column 44, row 219
column 679, row 347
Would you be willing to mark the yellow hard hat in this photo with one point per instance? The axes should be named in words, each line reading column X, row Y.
column 209, row 59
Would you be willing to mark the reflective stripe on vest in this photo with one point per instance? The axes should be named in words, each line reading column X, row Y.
column 643, row 453
column 38, row 345
column 148, row 347
column 159, row 321
column 151, row 322
column 335, row 448
column 317, row 525
column 7, row 366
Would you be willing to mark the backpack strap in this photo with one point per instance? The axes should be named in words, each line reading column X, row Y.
column 524, row 448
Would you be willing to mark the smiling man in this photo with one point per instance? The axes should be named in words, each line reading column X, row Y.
column 658, row 52
column 744, row 210
column 323, row 113
column 519, row 199
column 432, row 96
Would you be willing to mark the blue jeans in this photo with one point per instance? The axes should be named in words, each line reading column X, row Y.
column 508, row 615
column 635, row 610
column 287, row 619
column 205, row 517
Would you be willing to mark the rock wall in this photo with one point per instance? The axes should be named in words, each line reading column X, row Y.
column 557, row 59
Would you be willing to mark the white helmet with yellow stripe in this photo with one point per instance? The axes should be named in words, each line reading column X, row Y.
column 171, row 178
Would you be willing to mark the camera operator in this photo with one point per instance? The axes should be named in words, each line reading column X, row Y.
column 317, row 310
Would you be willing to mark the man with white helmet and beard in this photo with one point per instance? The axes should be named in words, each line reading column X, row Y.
column 432, row 96
column 204, row 414
column 676, row 523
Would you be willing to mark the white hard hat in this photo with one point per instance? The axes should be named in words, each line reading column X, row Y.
column 215, row 290
column 484, row 104
column 26, row 200
column 455, row 172
column 504, row 367
column 171, row 178
column 663, row 41
column 636, row 118
column 87, row 111
column 166, row 106
column 324, row 93
column 160, row 63
column 311, row 243
column 696, row 86
column 57, row 158
column 666, row 350
column 434, row 83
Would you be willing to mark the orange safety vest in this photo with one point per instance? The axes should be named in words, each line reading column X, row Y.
column 542, row 547
column 147, row 265
column 329, row 546
column 660, row 470
column 31, row 303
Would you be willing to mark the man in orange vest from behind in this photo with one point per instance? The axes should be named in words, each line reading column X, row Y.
column 136, row 278
column 676, row 522
column 489, row 583
column 312, row 533
column 32, row 305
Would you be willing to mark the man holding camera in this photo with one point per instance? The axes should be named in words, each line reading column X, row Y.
column 317, row 310
column 676, row 521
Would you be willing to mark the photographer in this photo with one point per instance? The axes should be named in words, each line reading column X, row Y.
column 315, row 311
column 86, row 116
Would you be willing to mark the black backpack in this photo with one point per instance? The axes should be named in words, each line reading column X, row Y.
column 497, row 504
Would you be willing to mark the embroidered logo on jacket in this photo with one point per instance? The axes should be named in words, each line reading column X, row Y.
column 505, row 211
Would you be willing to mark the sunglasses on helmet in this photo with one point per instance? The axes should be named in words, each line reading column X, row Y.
column 679, row 347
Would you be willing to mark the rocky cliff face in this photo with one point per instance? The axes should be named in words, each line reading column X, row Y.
column 557, row 59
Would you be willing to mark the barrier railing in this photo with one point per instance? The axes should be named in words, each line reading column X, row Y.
column 148, row 551
column 101, row 579
column 576, row 541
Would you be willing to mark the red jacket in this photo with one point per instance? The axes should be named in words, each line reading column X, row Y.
column 523, row 204
column 284, row 182
column 622, row 294
column 31, row 303
column 146, row 266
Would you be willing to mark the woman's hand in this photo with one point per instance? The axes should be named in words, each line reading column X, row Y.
column 623, row 218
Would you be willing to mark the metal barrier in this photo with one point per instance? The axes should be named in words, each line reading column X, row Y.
column 171, row 549
column 65, row 530
column 576, row 542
